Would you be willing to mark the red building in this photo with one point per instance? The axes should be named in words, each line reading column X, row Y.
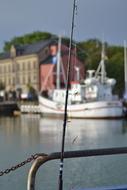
column 48, row 67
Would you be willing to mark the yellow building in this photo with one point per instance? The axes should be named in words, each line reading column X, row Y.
column 23, row 66
column 20, row 67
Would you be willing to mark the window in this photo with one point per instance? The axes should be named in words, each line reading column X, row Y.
column 35, row 78
column 13, row 68
column 9, row 81
column 23, row 66
column 9, row 68
column 28, row 65
column 23, row 80
column 17, row 67
column 34, row 65
column 4, row 68
column 13, row 81
column 18, row 80
column 29, row 79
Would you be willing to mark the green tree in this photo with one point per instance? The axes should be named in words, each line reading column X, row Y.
column 27, row 39
column 115, row 68
column 32, row 93
column 92, row 49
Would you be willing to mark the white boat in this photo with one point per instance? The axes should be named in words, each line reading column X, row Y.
column 91, row 99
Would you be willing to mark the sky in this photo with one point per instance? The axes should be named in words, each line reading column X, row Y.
column 102, row 19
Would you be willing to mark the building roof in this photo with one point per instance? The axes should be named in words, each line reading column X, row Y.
column 36, row 47
column 48, row 60
column 28, row 49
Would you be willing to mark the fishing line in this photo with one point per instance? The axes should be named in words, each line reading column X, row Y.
column 66, row 100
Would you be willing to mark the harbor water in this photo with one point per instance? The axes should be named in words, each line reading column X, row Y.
column 21, row 137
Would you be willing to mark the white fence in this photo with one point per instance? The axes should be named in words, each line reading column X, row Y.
column 30, row 109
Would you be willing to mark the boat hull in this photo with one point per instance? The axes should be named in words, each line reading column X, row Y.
column 95, row 110
column 9, row 108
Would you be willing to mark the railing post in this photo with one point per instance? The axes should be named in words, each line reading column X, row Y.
column 33, row 170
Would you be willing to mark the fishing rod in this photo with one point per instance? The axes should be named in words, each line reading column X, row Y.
column 66, row 100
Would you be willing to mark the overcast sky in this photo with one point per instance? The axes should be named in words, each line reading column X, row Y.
column 95, row 19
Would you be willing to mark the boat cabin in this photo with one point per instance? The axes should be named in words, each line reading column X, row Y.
column 74, row 95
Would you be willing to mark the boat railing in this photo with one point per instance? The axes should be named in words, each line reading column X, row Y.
column 42, row 158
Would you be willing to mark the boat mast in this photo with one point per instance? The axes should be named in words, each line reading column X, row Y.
column 77, row 69
column 58, row 64
column 103, row 72
column 66, row 101
column 101, row 67
column 125, row 68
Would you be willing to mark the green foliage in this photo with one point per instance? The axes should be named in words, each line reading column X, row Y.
column 32, row 93
column 92, row 49
column 115, row 68
column 31, row 89
column 66, row 41
column 27, row 39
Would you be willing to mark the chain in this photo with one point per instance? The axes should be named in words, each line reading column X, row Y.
column 13, row 168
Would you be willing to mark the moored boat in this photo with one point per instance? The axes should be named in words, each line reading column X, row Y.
column 93, row 98
column 9, row 108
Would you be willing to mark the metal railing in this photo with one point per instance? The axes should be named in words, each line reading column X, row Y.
column 70, row 154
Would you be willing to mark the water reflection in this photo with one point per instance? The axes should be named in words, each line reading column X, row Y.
column 86, row 133
column 22, row 136
column 80, row 132
column 124, row 126
column 33, row 126
column 21, row 125
column 97, row 133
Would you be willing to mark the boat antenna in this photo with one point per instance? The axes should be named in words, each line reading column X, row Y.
column 66, row 100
